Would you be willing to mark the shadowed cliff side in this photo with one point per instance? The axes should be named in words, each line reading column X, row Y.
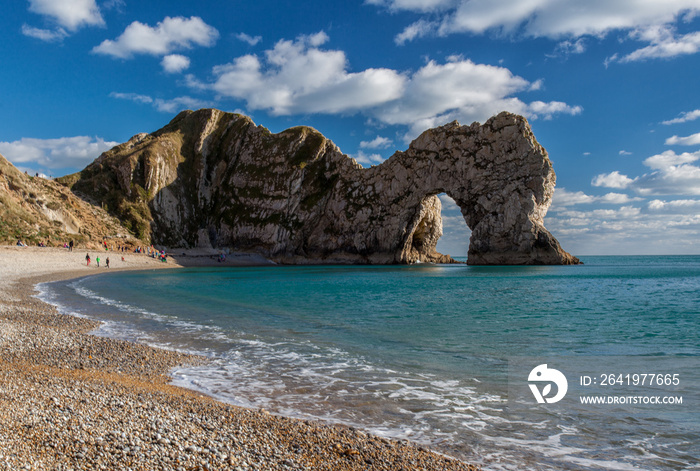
column 215, row 179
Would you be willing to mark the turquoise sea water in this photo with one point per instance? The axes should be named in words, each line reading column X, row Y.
column 437, row 354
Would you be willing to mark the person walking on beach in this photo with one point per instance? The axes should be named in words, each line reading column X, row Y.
column 70, row 246
column 107, row 262
column 87, row 259
column 98, row 261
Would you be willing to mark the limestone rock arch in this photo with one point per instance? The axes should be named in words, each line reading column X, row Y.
column 499, row 176
column 215, row 179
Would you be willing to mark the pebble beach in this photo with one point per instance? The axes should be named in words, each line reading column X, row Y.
column 71, row 400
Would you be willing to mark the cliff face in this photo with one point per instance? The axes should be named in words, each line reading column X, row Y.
column 35, row 210
column 214, row 179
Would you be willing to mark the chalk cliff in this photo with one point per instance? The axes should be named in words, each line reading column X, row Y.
column 215, row 179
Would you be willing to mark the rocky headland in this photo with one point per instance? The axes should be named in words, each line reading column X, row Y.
column 211, row 179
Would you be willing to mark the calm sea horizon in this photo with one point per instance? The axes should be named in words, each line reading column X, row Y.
column 443, row 355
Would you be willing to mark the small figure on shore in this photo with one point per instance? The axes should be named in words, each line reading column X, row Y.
column 107, row 262
column 98, row 261
column 87, row 259
column 20, row 243
column 70, row 245
column 123, row 259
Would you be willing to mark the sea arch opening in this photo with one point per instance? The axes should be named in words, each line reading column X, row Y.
column 438, row 232
column 455, row 231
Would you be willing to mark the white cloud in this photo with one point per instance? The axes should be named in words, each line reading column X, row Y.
column 617, row 198
column 669, row 159
column 624, row 152
column 685, row 206
column 252, row 40
column 167, row 36
column 664, row 47
column 562, row 18
column 465, row 91
column 70, row 14
column 565, row 20
column 133, row 97
column 691, row 140
column 629, row 229
column 563, row 198
column 672, row 174
column 175, row 63
column 378, row 142
column 414, row 5
column 540, row 109
column 674, row 180
column 567, row 47
column 298, row 77
column 48, row 35
column 58, row 153
column 178, row 104
column 418, row 29
column 173, row 105
column 612, row 180
column 684, row 117
column 117, row 5
column 367, row 160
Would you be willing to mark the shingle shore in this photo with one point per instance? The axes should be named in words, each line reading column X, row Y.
column 71, row 400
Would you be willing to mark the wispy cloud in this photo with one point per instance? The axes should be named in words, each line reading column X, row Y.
column 172, row 105
column 684, row 117
column 665, row 44
column 563, row 198
column 47, row 35
column 691, row 140
column 378, row 142
column 252, row 40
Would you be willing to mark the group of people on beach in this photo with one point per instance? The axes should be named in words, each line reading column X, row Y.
column 150, row 251
column 40, row 244
column 158, row 254
column 97, row 259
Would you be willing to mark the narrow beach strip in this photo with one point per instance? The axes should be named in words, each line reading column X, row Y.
column 71, row 400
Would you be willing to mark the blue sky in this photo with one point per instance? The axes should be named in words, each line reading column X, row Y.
column 610, row 89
